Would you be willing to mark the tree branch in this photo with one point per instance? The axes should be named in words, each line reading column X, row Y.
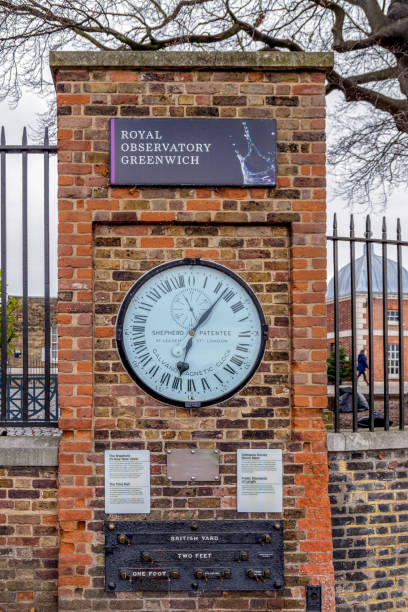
column 385, row 36
column 376, row 75
column 398, row 108
column 270, row 41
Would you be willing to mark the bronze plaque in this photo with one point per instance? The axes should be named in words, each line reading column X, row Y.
column 187, row 464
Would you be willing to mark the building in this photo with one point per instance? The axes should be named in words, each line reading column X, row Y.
column 344, row 309
column 36, row 340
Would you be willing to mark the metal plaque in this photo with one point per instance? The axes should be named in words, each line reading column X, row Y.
column 193, row 464
column 193, row 152
column 198, row 556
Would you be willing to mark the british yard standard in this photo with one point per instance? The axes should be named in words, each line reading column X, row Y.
column 193, row 556
column 193, row 152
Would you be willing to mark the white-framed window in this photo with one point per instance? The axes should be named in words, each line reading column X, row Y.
column 392, row 315
column 393, row 359
column 53, row 346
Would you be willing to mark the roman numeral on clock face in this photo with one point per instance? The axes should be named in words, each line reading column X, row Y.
column 237, row 307
column 228, row 295
column 165, row 379
column 177, row 384
column 140, row 318
column 145, row 359
column 153, row 371
column 229, row 369
column 244, row 334
column 205, row 384
column 243, row 348
column 154, row 295
column 237, row 360
column 191, row 385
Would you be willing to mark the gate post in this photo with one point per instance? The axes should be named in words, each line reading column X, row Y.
column 274, row 238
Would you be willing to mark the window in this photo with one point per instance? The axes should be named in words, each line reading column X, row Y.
column 53, row 346
column 392, row 315
column 393, row 359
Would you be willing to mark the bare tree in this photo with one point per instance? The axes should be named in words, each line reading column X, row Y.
column 369, row 38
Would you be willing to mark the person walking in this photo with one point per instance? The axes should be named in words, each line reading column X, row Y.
column 362, row 365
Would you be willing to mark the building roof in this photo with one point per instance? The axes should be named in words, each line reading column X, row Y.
column 361, row 277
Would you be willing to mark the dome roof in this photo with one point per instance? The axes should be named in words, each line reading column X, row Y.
column 361, row 277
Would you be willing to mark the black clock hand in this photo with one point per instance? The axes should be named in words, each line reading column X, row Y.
column 188, row 304
column 207, row 313
column 182, row 366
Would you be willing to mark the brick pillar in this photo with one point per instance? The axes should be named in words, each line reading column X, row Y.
column 274, row 238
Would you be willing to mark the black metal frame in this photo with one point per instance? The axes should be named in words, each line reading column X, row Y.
column 128, row 299
column 243, row 555
column 368, row 240
column 24, row 150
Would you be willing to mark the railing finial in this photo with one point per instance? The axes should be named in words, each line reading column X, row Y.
column 398, row 229
column 335, row 224
column 46, row 138
column 3, row 136
column 24, row 141
column 368, row 227
column 384, row 228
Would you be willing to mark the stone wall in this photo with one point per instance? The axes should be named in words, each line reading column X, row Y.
column 274, row 238
column 28, row 538
column 369, row 501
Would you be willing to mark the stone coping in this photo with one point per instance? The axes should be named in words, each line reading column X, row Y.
column 367, row 440
column 199, row 60
column 29, row 451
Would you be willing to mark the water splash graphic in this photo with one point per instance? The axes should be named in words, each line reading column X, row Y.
column 257, row 168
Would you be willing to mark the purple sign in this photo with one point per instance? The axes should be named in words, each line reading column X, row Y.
column 213, row 152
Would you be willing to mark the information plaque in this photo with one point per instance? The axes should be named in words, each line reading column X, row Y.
column 259, row 480
column 127, row 481
column 181, row 151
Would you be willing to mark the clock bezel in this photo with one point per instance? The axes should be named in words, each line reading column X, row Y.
column 126, row 303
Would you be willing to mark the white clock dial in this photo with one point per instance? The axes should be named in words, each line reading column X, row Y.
column 191, row 332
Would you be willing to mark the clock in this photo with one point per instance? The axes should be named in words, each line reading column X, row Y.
column 191, row 333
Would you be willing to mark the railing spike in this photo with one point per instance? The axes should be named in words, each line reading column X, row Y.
column 398, row 229
column 335, row 224
column 3, row 135
column 384, row 228
column 24, row 141
column 368, row 226
column 351, row 226
column 46, row 138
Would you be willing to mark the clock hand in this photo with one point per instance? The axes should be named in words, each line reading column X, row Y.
column 207, row 313
column 182, row 366
column 188, row 304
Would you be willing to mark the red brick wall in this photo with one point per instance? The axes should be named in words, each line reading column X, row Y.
column 28, row 539
column 109, row 236
column 344, row 310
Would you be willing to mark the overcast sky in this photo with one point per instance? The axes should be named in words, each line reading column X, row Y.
column 25, row 114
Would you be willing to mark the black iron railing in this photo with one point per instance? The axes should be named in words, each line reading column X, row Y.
column 26, row 415
column 377, row 290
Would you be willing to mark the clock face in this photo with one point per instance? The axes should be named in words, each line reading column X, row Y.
column 191, row 333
